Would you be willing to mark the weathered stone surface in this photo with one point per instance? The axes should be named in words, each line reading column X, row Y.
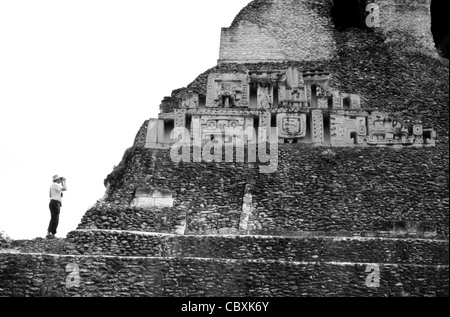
column 178, row 277
column 228, row 246
column 353, row 190
column 315, row 227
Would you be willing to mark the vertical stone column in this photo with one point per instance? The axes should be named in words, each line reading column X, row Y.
column 355, row 102
column 338, row 103
column 249, row 127
column 211, row 90
column 180, row 125
column 317, row 127
column 196, row 129
column 155, row 134
column 308, row 95
column 264, row 122
column 196, row 134
column 246, row 211
column 245, row 102
column 282, row 97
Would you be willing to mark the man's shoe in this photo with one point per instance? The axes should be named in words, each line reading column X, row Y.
column 51, row 236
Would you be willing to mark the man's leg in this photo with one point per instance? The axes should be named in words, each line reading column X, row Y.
column 54, row 211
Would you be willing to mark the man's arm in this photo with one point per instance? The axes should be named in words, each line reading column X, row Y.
column 63, row 183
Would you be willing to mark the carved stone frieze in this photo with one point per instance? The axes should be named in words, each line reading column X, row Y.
column 227, row 91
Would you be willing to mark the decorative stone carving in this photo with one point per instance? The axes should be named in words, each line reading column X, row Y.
column 338, row 102
column 262, row 77
column 418, row 134
column 292, row 91
column 189, row 101
column 294, row 78
column 347, row 131
column 299, row 94
column 431, row 140
column 282, row 96
column 308, row 94
column 180, row 125
column 227, row 91
column 317, row 127
column 264, row 122
column 295, row 97
column 355, row 102
column 196, row 128
column 249, row 128
column 384, row 130
column 148, row 198
column 322, row 103
column 321, row 91
column 215, row 126
column 291, row 126
column 265, row 96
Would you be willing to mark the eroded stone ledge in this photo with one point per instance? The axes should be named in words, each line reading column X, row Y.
column 322, row 249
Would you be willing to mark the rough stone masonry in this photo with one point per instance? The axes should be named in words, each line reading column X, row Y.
column 358, row 205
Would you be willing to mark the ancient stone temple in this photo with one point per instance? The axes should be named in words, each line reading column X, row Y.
column 336, row 183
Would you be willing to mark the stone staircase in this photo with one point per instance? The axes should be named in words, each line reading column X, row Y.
column 98, row 262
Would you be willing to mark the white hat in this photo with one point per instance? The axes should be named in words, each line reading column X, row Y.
column 56, row 177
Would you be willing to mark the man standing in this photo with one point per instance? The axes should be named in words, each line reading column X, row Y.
column 56, row 189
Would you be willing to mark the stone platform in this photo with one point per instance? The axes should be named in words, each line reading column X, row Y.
column 126, row 263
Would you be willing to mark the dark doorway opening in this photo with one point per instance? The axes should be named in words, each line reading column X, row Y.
column 440, row 25
column 349, row 14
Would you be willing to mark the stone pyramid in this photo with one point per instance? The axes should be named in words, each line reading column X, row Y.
column 310, row 161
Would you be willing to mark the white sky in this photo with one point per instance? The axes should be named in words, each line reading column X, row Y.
column 77, row 80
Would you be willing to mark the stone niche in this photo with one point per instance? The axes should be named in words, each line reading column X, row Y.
column 291, row 127
column 266, row 85
column 284, row 88
column 293, row 91
column 227, row 91
column 148, row 198
column 265, row 90
column 189, row 101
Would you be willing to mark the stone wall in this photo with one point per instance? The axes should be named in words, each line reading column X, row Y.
column 296, row 249
column 281, row 30
column 120, row 217
column 71, row 276
column 271, row 30
column 355, row 190
column 407, row 18
column 386, row 75
column 141, row 135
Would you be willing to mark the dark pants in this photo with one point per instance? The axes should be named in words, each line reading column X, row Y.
column 55, row 208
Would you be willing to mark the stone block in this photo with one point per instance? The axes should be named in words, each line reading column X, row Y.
column 291, row 125
column 155, row 134
column 355, row 102
column 147, row 198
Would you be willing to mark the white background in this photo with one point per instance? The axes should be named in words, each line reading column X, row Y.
column 77, row 80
